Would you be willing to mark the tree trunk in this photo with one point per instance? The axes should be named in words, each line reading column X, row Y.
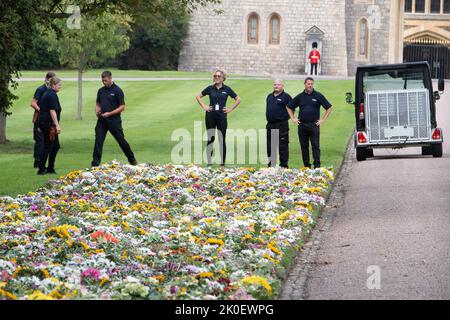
column 2, row 128
column 80, row 91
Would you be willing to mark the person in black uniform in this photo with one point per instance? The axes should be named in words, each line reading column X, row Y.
column 216, row 113
column 308, row 120
column 277, row 125
column 37, row 134
column 110, row 104
column 49, row 118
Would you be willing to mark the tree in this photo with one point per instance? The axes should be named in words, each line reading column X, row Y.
column 13, row 39
column 18, row 18
column 99, row 38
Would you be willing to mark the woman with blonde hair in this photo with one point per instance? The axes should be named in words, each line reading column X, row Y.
column 216, row 112
column 49, row 117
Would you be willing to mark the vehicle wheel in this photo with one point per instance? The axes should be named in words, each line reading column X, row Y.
column 426, row 151
column 436, row 150
column 369, row 153
column 361, row 154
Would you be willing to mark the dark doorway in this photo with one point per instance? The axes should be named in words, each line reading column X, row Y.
column 438, row 57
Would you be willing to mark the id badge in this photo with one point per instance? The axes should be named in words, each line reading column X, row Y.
column 217, row 107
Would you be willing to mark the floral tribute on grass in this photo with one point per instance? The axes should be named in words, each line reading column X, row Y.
column 157, row 232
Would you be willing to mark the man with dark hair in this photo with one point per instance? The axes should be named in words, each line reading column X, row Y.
column 37, row 134
column 110, row 104
column 308, row 120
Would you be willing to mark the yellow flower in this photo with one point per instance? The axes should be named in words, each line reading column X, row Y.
column 227, row 180
column 13, row 206
column 314, row 190
column 160, row 278
column 215, row 241
column 45, row 272
column 38, row 295
column 259, row 281
column 272, row 247
column 141, row 231
column 85, row 245
column 206, row 275
column 246, row 237
column 19, row 215
column 7, row 294
column 209, row 220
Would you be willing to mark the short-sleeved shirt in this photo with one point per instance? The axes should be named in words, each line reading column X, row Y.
column 276, row 107
column 49, row 101
column 218, row 96
column 309, row 105
column 39, row 93
column 110, row 99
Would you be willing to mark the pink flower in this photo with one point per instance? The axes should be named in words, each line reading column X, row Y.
column 90, row 273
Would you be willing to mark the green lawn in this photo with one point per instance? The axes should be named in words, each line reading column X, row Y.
column 154, row 110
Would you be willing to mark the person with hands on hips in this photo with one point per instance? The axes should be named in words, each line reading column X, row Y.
column 216, row 113
column 309, row 102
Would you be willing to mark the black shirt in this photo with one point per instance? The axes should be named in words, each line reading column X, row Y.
column 309, row 105
column 49, row 101
column 276, row 107
column 218, row 96
column 39, row 93
column 110, row 99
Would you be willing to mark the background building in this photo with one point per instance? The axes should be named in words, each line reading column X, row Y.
column 261, row 37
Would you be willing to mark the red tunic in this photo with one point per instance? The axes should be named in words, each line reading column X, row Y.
column 314, row 56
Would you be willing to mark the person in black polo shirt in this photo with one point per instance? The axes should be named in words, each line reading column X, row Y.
column 308, row 120
column 37, row 134
column 216, row 113
column 110, row 104
column 49, row 117
column 277, row 125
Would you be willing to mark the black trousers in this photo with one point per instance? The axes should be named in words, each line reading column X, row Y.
column 214, row 121
column 314, row 66
column 309, row 132
column 38, row 142
column 50, row 148
column 278, row 141
column 101, row 129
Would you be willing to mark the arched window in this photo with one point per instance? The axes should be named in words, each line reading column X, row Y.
column 253, row 28
column 274, row 29
column 363, row 38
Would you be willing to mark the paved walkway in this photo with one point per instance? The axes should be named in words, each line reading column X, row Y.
column 385, row 232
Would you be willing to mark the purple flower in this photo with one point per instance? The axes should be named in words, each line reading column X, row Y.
column 34, row 207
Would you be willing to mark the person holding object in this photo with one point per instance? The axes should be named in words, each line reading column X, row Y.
column 49, row 119
column 110, row 104
column 277, row 125
column 37, row 134
column 216, row 113
column 309, row 121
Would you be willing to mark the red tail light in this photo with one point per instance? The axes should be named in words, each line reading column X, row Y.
column 436, row 134
column 361, row 111
column 362, row 137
